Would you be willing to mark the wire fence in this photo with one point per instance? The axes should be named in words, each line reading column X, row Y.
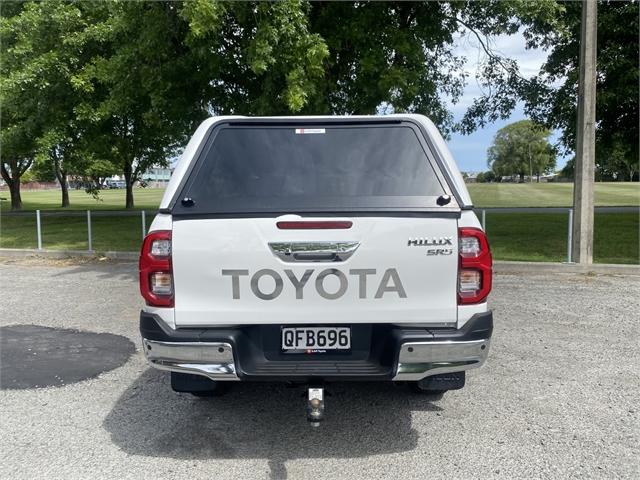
column 537, row 234
column 90, row 230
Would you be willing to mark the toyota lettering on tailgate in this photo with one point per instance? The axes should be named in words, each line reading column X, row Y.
column 388, row 283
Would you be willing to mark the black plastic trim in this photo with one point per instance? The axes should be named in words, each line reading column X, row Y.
column 339, row 121
column 408, row 213
column 373, row 355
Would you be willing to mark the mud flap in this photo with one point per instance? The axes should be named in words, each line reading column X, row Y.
column 444, row 381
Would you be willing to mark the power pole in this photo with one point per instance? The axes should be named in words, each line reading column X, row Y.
column 582, row 249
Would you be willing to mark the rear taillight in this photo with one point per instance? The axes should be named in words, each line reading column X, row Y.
column 474, row 272
column 156, row 273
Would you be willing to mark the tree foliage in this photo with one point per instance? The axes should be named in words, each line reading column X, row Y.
column 87, row 86
column 143, row 89
column 486, row 177
column 351, row 57
column 43, row 46
column 521, row 148
column 553, row 94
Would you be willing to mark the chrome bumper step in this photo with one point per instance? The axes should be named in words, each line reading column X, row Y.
column 418, row 360
column 211, row 359
column 415, row 360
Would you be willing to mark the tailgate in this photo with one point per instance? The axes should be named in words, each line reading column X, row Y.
column 383, row 269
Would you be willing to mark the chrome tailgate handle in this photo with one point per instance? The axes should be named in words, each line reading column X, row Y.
column 313, row 251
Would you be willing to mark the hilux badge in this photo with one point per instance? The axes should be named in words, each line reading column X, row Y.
column 429, row 241
column 440, row 245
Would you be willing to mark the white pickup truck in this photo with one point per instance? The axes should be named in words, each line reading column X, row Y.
column 316, row 249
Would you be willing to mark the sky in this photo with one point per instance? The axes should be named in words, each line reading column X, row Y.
column 470, row 151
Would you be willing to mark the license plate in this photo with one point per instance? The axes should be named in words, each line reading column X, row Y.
column 316, row 338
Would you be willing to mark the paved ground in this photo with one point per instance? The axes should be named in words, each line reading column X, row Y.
column 559, row 397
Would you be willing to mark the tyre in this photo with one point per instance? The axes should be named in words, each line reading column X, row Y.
column 220, row 388
column 418, row 388
column 197, row 385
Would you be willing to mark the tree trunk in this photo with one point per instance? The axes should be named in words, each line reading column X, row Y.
column 65, row 194
column 13, row 182
column 128, row 180
column 16, row 198
column 129, row 200
column 61, row 175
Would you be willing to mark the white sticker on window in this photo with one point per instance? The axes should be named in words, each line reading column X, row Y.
column 303, row 131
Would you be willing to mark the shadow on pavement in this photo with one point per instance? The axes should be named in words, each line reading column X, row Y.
column 104, row 270
column 264, row 421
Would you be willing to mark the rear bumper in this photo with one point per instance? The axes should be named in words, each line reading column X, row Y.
column 379, row 352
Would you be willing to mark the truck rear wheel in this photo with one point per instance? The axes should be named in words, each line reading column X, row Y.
column 415, row 387
column 220, row 389
column 197, row 385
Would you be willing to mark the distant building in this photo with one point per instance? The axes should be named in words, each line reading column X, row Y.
column 157, row 176
column 154, row 177
column 471, row 177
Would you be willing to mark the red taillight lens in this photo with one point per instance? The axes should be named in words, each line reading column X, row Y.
column 156, row 272
column 474, row 273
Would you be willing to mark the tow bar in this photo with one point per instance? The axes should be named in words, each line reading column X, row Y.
column 315, row 406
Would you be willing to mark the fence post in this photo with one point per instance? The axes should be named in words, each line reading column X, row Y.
column 484, row 220
column 144, row 224
column 570, row 236
column 39, row 229
column 89, row 240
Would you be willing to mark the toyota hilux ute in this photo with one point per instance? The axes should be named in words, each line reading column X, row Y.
column 316, row 249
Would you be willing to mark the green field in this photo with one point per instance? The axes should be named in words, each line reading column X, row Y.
column 144, row 198
column 485, row 195
column 70, row 233
column 542, row 237
column 513, row 236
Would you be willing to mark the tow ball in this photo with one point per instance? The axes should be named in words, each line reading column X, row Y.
column 315, row 406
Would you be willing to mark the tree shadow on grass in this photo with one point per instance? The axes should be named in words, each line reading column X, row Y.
column 263, row 421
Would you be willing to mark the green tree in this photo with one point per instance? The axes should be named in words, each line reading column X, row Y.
column 43, row 48
column 142, row 90
column 486, row 177
column 18, row 129
column 17, row 157
column 522, row 148
column 551, row 98
column 136, row 77
column 569, row 170
column 351, row 57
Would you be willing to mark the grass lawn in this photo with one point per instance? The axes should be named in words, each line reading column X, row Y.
column 485, row 195
column 488, row 195
column 144, row 199
column 513, row 236
column 542, row 237
column 70, row 233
